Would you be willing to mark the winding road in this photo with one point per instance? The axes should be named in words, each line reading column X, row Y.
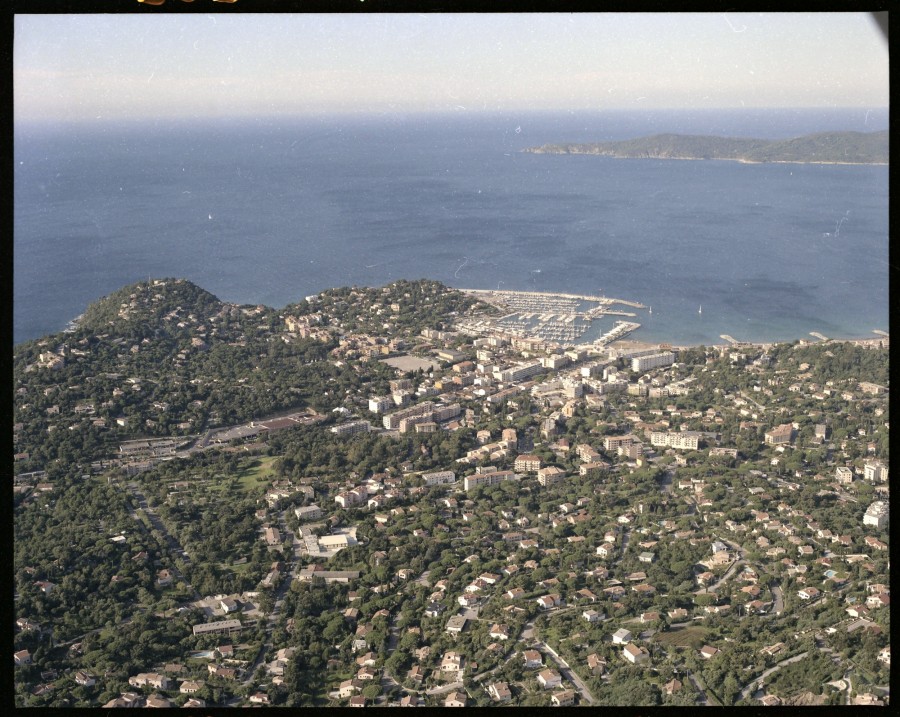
column 749, row 688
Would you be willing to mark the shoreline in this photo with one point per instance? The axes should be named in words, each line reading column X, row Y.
column 623, row 343
column 634, row 344
column 739, row 160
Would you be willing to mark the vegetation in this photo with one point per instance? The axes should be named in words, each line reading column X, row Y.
column 826, row 147
column 116, row 558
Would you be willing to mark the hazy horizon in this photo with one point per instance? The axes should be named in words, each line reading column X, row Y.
column 193, row 66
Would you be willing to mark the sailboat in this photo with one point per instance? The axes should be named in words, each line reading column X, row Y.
column 700, row 310
column 651, row 310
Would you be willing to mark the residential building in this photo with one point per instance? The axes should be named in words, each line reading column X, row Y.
column 551, row 475
column 308, row 512
column 612, row 443
column 499, row 691
column 492, row 478
column 220, row 627
column 565, row 698
column 456, row 699
column 877, row 514
column 843, row 475
column 451, row 662
column 84, row 679
column 456, row 624
column 639, row 364
column 151, row 679
column 527, row 464
column 780, row 435
column 875, row 472
column 634, row 654
column 684, row 440
column 549, row 679
column 439, row 478
column 351, row 428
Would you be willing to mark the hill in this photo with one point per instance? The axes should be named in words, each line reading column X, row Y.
column 138, row 307
column 823, row 148
column 166, row 358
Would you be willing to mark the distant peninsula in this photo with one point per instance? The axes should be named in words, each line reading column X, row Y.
column 820, row 148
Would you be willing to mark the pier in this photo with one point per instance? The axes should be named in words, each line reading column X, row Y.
column 881, row 333
column 730, row 339
column 620, row 330
column 817, row 335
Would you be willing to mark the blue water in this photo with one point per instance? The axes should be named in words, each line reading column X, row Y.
column 269, row 211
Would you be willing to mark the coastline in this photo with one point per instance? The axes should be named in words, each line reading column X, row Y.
column 623, row 343
column 636, row 345
column 739, row 160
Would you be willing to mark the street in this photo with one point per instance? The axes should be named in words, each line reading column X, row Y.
column 568, row 673
column 749, row 688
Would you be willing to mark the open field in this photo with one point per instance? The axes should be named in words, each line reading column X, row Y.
column 693, row 636
column 411, row 363
column 256, row 469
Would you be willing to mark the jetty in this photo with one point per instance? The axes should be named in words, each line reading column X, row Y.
column 729, row 339
column 881, row 333
column 620, row 330
column 817, row 335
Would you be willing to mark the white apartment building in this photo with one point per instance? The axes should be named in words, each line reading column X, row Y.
column 439, row 478
column 351, row 428
column 380, row 404
column 645, row 363
column 877, row 514
column 875, row 472
column 686, row 440
column 520, row 372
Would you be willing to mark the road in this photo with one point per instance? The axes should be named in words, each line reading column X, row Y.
column 80, row 638
column 174, row 546
column 699, row 685
column 749, row 689
column 568, row 673
column 278, row 595
column 727, row 576
column 778, row 595
column 446, row 688
column 665, row 485
column 387, row 680
column 626, row 536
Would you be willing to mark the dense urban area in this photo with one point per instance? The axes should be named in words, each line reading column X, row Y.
column 381, row 496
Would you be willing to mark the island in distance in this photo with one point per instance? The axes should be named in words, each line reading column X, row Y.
column 820, row 148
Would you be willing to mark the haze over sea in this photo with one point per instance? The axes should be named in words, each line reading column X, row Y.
column 271, row 210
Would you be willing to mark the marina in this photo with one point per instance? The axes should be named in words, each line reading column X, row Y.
column 563, row 319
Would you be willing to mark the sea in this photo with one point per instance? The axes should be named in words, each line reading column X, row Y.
column 270, row 210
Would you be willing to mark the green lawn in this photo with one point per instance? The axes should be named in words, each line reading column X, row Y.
column 254, row 470
column 238, row 569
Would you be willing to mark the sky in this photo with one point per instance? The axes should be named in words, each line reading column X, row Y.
column 120, row 66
